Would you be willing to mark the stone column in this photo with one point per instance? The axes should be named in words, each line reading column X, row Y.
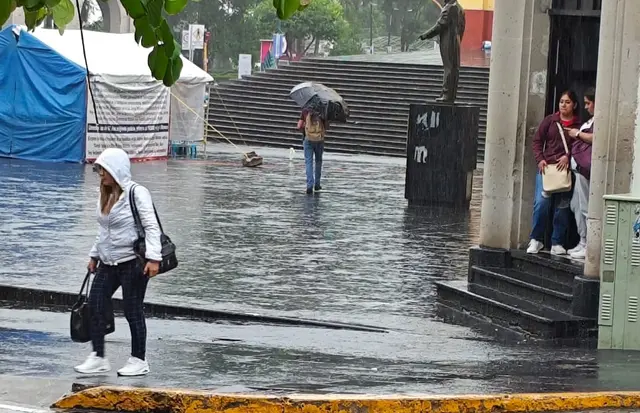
column 615, row 116
column 517, row 84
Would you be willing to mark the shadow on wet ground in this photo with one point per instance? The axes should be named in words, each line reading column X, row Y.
column 251, row 240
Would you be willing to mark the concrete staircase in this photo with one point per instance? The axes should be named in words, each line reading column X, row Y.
column 257, row 111
column 523, row 298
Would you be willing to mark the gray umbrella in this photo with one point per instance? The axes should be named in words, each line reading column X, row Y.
column 304, row 92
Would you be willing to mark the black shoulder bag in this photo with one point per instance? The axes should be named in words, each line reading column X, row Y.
column 81, row 316
column 169, row 260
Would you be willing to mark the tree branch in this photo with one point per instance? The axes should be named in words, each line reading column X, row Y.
column 313, row 40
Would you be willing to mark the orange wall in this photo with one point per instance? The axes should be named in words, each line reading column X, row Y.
column 478, row 28
column 479, row 16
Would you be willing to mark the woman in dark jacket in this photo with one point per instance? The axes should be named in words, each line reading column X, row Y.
column 549, row 149
column 581, row 165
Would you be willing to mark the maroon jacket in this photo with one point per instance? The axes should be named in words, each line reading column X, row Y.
column 581, row 152
column 547, row 144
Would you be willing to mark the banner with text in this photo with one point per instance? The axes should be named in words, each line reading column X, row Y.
column 133, row 117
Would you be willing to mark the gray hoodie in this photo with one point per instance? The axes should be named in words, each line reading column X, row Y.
column 117, row 230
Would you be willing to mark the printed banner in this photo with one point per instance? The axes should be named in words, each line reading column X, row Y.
column 133, row 117
column 267, row 60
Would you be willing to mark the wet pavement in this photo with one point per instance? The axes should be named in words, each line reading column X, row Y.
column 251, row 240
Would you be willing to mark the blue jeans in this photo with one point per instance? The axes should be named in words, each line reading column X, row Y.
column 561, row 214
column 311, row 149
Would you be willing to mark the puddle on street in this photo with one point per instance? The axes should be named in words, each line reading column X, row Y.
column 251, row 240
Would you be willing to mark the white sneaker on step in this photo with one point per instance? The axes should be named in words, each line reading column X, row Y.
column 577, row 248
column 558, row 250
column 93, row 364
column 134, row 367
column 534, row 247
column 579, row 254
column 574, row 249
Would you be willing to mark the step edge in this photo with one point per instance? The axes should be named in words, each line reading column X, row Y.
column 573, row 269
column 481, row 298
column 569, row 317
column 511, row 280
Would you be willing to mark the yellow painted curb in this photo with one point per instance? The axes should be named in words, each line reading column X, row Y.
column 188, row 401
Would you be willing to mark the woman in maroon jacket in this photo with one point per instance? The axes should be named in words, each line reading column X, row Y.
column 549, row 149
column 581, row 165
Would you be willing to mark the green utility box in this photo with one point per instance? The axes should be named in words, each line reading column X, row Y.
column 619, row 327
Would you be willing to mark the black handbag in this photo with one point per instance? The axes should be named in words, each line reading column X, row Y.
column 168, row 249
column 81, row 316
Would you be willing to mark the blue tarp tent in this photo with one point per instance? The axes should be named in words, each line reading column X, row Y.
column 43, row 100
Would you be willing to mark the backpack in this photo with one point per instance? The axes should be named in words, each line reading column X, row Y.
column 313, row 129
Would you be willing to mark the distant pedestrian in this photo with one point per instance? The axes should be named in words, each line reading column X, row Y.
column 113, row 260
column 314, row 128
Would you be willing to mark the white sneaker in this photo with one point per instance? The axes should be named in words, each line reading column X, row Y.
column 534, row 247
column 558, row 250
column 134, row 367
column 93, row 364
column 580, row 253
column 574, row 249
column 581, row 245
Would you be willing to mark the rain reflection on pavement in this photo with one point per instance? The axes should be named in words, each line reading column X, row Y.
column 252, row 240
column 249, row 238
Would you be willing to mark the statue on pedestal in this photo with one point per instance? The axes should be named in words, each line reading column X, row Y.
column 450, row 27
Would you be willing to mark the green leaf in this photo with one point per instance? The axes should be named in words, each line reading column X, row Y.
column 153, row 10
column 63, row 14
column 51, row 3
column 33, row 5
column 158, row 62
column 177, row 49
column 6, row 8
column 173, row 71
column 33, row 18
column 174, row 6
column 168, row 76
column 134, row 8
column 287, row 8
column 166, row 36
column 144, row 32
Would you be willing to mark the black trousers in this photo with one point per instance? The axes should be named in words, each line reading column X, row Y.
column 108, row 279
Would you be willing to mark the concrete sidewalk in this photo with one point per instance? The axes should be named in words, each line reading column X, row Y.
column 281, row 360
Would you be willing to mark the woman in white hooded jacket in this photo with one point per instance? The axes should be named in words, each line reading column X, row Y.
column 115, row 264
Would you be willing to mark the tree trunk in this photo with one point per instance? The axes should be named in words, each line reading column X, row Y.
column 316, row 49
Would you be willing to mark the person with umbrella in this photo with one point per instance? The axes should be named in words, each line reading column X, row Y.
column 320, row 105
column 314, row 127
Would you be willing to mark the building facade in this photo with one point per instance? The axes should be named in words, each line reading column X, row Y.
column 538, row 48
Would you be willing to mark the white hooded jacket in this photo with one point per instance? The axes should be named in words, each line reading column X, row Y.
column 117, row 230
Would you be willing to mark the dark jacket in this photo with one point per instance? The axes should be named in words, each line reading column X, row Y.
column 547, row 144
column 581, row 152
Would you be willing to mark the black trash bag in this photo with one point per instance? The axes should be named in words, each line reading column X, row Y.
column 80, row 325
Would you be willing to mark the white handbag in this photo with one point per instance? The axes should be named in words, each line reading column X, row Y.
column 553, row 179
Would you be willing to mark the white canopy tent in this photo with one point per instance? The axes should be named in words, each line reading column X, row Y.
column 135, row 111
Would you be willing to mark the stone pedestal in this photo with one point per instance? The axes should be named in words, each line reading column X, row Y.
column 442, row 150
